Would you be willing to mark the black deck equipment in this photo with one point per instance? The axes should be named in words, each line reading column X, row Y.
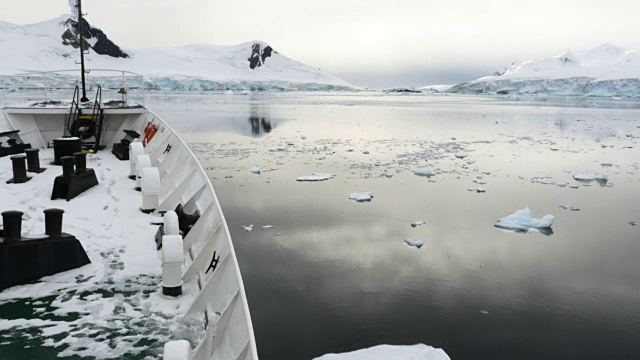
column 121, row 149
column 27, row 259
column 14, row 145
column 73, row 182
column 65, row 146
column 33, row 161
column 19, row 165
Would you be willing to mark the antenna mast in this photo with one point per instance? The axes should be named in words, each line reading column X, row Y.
column 84, row 90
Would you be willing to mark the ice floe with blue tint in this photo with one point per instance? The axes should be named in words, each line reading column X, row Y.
column 395, row 352
column 522, row 221
column 424, row 172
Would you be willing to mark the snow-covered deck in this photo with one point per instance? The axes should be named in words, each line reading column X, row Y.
column 119, row 293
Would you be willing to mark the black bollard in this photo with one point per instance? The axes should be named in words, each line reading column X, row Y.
column 19, row 170
column 81, row 162
column 53, row 222
column 67, row 166
column 65, row 147
column 33, row 161
column 12, row 224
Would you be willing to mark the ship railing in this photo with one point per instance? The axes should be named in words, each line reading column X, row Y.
column 39, row 86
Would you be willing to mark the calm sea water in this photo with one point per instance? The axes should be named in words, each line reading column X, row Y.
column 334, row 275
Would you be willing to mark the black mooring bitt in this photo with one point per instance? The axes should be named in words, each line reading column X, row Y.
column 73, row 182
column 33, row 161
column 19, row 165
column 24, row 259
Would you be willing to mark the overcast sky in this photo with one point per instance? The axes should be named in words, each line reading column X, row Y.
column 367, row 42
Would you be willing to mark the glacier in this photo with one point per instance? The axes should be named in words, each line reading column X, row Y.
column 606, row 70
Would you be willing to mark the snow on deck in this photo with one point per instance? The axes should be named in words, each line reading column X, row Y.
column 108, row 307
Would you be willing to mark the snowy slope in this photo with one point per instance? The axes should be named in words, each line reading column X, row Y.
column 251, row 65
column 606, row 70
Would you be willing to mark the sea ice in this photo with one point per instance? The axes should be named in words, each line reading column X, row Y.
column 315, row 177
column 247, row 228
column 570, row 207
column 361, row 196
column 521, row 220
column 256, row 170
column 588, row 176
column 414, row 242
column 460, row 154
column 267, row 226
column 418, row 223
column 424, row 172
column 395, row 352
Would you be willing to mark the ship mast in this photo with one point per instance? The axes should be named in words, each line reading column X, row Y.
column 84, row 90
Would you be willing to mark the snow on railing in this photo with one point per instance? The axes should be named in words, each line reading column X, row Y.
column 57, row 84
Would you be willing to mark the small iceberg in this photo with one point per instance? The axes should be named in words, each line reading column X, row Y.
column 586, row 176
column 395, row 352
column 361, row 196
column 315, row 177
column 417, row 223
column 414, row 242
column 424, row 172
column 522, row 221
column 460, row 154
column 248, row 227
column 256, row 170
column 228, row 92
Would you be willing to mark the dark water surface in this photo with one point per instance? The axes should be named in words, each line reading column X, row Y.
column 333, row 275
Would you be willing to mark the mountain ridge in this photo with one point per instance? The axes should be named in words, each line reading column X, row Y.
column 52, row 45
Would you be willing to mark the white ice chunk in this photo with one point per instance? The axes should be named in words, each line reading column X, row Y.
column 588, row 176
column 414, row 242
column 395, row 352
column 418, row 223
column 521, row 220
column 570, row 207
column 256, row 170
column 361, row 196
column 424, row 172
column 247, row 228
column 267, row 226
column 315, row 177
column 460, row 154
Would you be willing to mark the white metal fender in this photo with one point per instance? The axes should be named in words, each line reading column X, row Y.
column 135, row 149
column 151, row 188
column 172, row 259
column 142, row 161
column 171, row 225
column 177, row 350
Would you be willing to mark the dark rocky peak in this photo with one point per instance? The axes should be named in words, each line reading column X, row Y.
column 101, row 43
column 259, row 54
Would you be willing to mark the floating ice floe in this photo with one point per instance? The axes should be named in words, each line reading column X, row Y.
column 228, row 92
column 315, row 177
column 570, row 207
column 588, row 176
column 414, row 242
column 479, row 190
column 395, row 352
column 247, row 228
column 460, row 154
column 256, row 170
column 521, row 220
column 389, row 174
column 361, row 196
column 418, row 223
column 267, row 226
column 424, row 172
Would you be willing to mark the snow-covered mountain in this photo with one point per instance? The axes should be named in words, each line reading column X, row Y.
column 53, row 45
column 606, row 70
